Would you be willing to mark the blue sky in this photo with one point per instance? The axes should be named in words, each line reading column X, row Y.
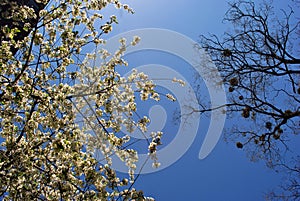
column 226, row 174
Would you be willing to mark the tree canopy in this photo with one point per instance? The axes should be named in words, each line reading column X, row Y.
column 57, row 107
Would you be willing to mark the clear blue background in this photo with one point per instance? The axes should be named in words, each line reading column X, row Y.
column 226, row 174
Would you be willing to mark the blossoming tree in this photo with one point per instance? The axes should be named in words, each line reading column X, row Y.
column 47, row 84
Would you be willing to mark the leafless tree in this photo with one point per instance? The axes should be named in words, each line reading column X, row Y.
column 259, row 62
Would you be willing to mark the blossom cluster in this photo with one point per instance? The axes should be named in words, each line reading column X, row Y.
column 57, row 108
